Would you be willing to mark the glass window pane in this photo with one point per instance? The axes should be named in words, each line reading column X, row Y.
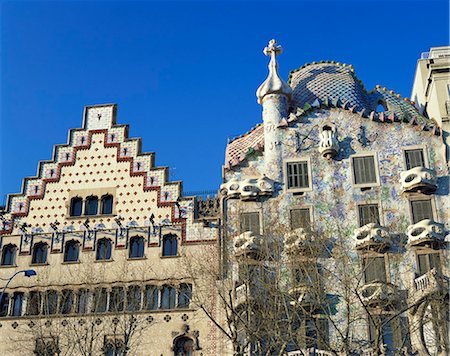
column 151, row 295
column 368, row 213
column 83, row 301
column 91, row 206
column 17, row 304
column 134, row 298
column 421, row 209
column 374, row 269
column 76, row 205
column 250, row 222
column 34, row 303
column 414, row 158
column 184, row 295
column 100, row 299
column 297, row 175
column 4, row 304
column 300, row 218
column 107, row 204
column 117, row 299
column 66, row 303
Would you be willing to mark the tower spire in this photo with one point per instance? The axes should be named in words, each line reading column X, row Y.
column 273, row 84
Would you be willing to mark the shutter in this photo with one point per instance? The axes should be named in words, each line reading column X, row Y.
column 414, row 158
column 297, row 174
column 368, row 214
column 300, row 218
column 421, row 209
column 364, row 170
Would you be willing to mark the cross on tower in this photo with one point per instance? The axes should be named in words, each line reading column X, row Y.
column 273, row 49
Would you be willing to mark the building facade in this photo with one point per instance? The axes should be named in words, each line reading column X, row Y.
column 338, row 199
column 107, row 234
column 328, row 235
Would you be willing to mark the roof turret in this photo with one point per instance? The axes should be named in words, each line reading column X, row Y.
column 273, row 84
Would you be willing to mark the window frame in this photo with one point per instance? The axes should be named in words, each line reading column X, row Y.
column 132, row 238
column 87, row 204
column 13, row 251
column 241, row 231
column 421, row 197
column 71, row 207
column 186, row 296
column 372, row 154
column 154, row 289
column 299, row 159
column 108, row 247
column 385, row 258
column 172, row 292
column 102, row 204
column 171, row 237
column 71, row 242
column 33, row 254
column 421, row 252
column 302, row 207
column 424, row 149
column 366, row 203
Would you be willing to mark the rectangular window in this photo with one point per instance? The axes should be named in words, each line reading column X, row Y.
column 300, row 218
column 117, row 299
column 66, row 303
column 4, row 304
column 374, row 269
column 368, row 213
column 17, row 304
column 100, row 300
column 51, row 302
column 34, row 303
column 297, row 175
column 364, row 170
column 184, row 295
column 250, row 222
column 83, row 301
column 428, row 261
column 134, row 298
column 151, row 297
column 421, row 209
column 414, row 158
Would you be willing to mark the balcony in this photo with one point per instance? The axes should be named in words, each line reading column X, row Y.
column 373, row 237
column 248, row 189
column 248, row 246
column 379, row 294
column 418, row 179
column 301, row 242
column 426, row 232
column 307, row 295
column 431, row 283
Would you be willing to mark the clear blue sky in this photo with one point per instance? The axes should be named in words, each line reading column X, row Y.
column 184, row 74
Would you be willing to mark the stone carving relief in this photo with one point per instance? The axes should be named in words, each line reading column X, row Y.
column 379, row 293
column 418, row 179
column 248, row 189
column 425, row 231
column 372, row 236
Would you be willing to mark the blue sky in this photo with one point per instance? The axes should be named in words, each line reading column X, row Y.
column 184, row 74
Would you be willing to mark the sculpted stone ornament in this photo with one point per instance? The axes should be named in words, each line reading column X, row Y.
column 328, row 145
column 248, row 189
column 419, row 179
column 248, row 245
column 273, row 84
column 379, row 293
column 300, row 242
column 372, row 236
column 426, row 231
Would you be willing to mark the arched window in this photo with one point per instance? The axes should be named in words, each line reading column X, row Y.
column 39, row 253
column 151, row 297
column 76, row 206
column 184, row 295
column 136, row 247
column 168, row 296
column 170, row 245
column 183, row 346
column 71, row 251
column 103, row 250
column 91, row 205
column 107, row 204
column 9, row 255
